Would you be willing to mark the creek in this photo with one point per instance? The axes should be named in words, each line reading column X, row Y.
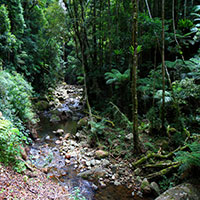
column 45, row 155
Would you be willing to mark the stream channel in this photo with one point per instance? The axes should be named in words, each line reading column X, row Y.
column 45, row 155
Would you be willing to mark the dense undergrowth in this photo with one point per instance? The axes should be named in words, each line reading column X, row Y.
column 16, row 112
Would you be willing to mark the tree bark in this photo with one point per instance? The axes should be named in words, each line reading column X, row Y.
column 174, row 29
column 163, row 67
column 134, row 78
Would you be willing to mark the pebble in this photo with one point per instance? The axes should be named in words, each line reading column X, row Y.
column 48, row 137
column 84, row 157
column 58, row 142
column 117, row 183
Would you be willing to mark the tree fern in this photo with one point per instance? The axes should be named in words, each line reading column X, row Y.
column 115, row 76
column 189, row 159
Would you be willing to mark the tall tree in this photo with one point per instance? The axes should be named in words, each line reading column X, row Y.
column 163, row 66
column 134, row 78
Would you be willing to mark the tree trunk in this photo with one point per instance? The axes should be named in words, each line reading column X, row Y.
column 185, row 9
column 163, row 67
column 174, row 29
column 134, row 79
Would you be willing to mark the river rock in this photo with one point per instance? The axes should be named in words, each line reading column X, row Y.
column 155, row 188
column 93, row 173
column 129, row 136
column 82, row 122
column 48, row 137
column 145, row 186
column 101, row 154
column 54, row 118
column 105, row 163
column 58, row 142
column 66, row 136
column 117, row 183
column 59, row 132
column 137, row 171
column 93, row 162
column 184, row 191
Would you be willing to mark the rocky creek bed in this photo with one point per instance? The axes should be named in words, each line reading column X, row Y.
column 66, row 156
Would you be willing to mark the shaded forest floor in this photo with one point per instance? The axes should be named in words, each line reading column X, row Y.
column 28, row 185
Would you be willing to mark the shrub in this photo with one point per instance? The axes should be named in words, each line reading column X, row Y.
column 189, row 159
column 11, row 140
column 15, row 102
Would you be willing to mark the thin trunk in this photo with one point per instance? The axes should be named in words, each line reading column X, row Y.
column 85, row 86
column 163, row 67
column 134, row 78
column 79, row 37
column 174, row 29
column 185, row 9
column 110, row 44
column 154, row 84
column 109, row 36
column 146, row 1
column 94, row 35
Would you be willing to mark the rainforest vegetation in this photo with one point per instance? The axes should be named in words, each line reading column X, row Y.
column 137, row 61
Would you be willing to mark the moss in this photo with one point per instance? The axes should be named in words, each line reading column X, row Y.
column 42, row 105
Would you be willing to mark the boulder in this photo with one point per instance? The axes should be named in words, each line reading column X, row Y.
column 101, row 154
column 93, row 173
column 184, row 191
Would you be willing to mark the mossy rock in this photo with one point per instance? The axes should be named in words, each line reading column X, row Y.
column 55, row 112
column 101, row 154
column 82, row 122
column 54, row 118
column 42, row 105
column 145, row 186
column 184, row 191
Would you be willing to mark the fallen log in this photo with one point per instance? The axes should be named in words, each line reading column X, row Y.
column 157, row 155
column 163, row 171
column 160, row 165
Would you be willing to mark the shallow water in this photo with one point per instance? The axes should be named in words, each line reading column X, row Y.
column 45, row 154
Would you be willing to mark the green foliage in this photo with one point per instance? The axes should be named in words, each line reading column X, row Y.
column 167, row 182
column 116, row 77
column 185, row 89
column 97, row 128
column 158, row 95
column 196, row 28
column 149, row 27
column 7, row 39
column 26, row 44
column 185, row 24
column 10, row 140
column 15, row 95
column 5, row 21
column 190, row 158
